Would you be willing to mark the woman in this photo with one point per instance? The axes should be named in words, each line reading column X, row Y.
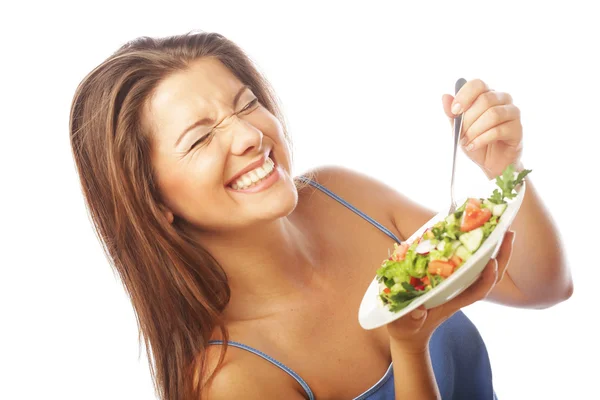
column 245, row 280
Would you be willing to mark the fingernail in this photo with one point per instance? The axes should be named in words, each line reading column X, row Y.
column 513, row 234
column 456, row 108
column 417, row 314
column 470, row 146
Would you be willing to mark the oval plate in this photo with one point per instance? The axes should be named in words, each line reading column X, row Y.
column 374, row 314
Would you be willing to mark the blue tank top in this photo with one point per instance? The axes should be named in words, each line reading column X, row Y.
column 458, row 355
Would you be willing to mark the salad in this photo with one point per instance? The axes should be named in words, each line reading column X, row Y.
column 413, row 269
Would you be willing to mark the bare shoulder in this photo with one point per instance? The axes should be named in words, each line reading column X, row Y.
column 243, row 375
column 369, row 193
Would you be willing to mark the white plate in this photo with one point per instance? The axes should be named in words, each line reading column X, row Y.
column 373, row 313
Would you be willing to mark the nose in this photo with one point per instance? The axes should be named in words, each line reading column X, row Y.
column 244, row 137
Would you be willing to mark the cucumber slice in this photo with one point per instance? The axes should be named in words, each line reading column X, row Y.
column 498, row 209
column 451, row 219
column 472, row 240
column 397, row 288
column 463, row 253
column 455, row 244
column 488, row 204
column 441, row 245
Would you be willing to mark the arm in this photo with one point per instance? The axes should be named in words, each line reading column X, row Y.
column 492, row 137
column 413, row 373
column 537, row 275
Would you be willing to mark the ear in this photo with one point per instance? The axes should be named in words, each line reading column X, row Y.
column 167, row 213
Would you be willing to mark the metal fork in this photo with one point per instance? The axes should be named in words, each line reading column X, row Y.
column 457, row 128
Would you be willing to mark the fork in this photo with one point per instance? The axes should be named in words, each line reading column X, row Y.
column 457, row 128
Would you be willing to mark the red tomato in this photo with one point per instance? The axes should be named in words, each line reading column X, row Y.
column 386, row 290
column 420, row 287
column 425, row 280
column 415, row 281
column 400, row 252
column 456, row 260
column 474, row 201
column 440, row 267
column 474, row 217
column 447, row 270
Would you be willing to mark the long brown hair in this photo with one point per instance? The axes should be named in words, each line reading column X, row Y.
column 177, row 289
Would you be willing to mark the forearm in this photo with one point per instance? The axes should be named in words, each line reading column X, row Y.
column 538, row 267
column 413, row 374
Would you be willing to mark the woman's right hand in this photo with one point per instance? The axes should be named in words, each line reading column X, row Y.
column 412, row 332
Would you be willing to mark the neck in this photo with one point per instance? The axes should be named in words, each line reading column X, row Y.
column 268, row 266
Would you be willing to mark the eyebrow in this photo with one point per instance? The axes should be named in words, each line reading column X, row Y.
column 205, row 121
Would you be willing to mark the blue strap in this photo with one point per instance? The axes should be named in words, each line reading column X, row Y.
column 259, row 353
column 350, row 206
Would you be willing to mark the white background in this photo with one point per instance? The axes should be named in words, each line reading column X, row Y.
column 361, row 86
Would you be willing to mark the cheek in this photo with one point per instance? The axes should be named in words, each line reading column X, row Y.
column 191, row 187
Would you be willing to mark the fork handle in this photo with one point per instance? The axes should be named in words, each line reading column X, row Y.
column 457, row 128
column 458, row 119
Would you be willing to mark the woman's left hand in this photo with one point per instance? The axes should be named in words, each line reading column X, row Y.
column 492, row 135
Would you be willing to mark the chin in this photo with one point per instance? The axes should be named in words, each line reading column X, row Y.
column 282, row 202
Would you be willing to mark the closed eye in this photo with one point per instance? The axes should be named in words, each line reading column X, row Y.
column 250, row 105
column 203, row 138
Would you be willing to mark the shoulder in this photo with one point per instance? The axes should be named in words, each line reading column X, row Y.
column 243, row 375
column 373, row 196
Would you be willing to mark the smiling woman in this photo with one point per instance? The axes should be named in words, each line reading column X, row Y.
column 148, row 176
column 186, row 169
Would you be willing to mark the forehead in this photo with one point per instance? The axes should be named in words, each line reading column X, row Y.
column 191, row 93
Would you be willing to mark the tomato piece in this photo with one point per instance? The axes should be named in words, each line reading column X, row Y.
column 456, row 260
column 400, row 252
column 425, row 280
column 447, row 270
column 415, row 281
column 386, row 290
column 474, row 202
column 440, row 267
column 474, row 217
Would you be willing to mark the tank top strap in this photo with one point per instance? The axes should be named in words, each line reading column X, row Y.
column 350, row 206
column 273, row 361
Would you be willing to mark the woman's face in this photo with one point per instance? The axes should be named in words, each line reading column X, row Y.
column 232, row 168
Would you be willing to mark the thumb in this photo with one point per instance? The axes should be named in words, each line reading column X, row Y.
column 446, row 103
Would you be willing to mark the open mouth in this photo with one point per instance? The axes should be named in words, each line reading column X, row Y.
column 256, row 176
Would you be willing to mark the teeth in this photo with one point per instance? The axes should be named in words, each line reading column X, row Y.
column 261, row 173
column 254, row 176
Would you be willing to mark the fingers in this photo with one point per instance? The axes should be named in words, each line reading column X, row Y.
column 409, row 324
column 477, row 291
column 491, row 275
column 487, row 113
column 504, row 132
column 482, row 103
column 467, row 95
